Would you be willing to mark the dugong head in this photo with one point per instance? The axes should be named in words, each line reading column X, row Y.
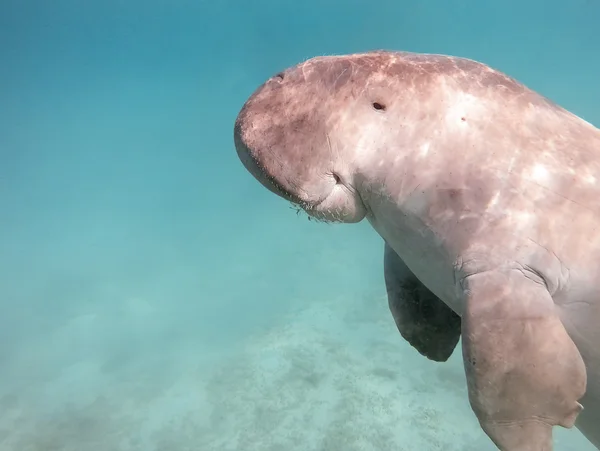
column 298, row 132
column 319, row 133
column 303, row 133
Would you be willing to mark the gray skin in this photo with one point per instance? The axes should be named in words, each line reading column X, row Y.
column 487, row 196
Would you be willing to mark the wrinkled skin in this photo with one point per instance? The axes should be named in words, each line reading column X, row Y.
column 487, row 196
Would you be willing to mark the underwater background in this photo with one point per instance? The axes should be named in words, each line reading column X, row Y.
column 153, row 296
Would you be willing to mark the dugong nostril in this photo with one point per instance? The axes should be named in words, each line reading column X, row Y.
column 279, row 77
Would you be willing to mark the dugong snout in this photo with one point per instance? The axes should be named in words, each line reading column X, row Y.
column 283, row 137
column 252, row 163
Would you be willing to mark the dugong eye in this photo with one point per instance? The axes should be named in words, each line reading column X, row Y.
column 379, row 106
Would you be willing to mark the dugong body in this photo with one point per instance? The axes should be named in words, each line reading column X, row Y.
column 487, row 196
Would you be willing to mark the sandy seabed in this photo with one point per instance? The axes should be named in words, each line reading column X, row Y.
column 334, row 376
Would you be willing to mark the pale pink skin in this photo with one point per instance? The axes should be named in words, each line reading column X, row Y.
column 487, row 191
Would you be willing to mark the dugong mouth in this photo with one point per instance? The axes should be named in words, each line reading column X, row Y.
column 260, row 173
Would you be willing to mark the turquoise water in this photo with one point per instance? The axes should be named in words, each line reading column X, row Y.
column 153, row 296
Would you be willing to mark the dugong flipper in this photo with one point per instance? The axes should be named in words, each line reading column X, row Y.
column 428, row 324
column 524, row 373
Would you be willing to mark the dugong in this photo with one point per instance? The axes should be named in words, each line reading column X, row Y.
column 487, row 197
